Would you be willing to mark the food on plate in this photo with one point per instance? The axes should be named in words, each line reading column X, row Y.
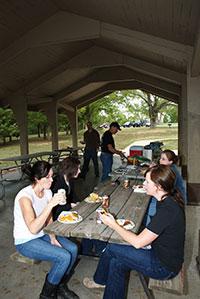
column 127, row 224
column 69, row 217
column 94, row 196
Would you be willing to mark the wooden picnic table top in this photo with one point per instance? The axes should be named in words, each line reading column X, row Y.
column 124, row 203
column 28, row 157
column 128, row 172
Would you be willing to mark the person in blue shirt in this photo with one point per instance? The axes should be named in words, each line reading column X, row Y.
column 168, row 158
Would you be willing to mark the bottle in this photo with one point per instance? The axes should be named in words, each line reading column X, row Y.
column 106, row 202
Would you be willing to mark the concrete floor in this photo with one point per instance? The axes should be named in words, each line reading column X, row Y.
column 22, row 281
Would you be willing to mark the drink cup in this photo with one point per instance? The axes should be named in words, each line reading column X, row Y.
column 98, row 216
column 106, row 202
column 63, row 192
column 126, row 184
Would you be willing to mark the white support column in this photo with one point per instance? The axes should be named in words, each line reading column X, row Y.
column 73, row 120
column 50, row 109
column 19, row 107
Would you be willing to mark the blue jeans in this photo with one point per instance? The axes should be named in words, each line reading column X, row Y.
column 107, row 162
column 117, row 261
column 92, row 247
column 88, row 155
column 61, row 258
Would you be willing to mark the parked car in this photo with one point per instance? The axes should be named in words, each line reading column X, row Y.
column 128, row 124
column 137, row 124
column 104, row 125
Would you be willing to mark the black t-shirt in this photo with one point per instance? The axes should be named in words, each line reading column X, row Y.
column 169, row 224
column 59, row 183
column 91, row 139
column 106, row 139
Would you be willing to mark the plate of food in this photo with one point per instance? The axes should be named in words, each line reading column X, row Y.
column 69, row 217
column 125, row 223
column 139, row 189
column 93, row 198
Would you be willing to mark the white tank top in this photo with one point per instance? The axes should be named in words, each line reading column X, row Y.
column 21, row 232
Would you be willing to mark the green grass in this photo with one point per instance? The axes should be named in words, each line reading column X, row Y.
column 169, row 136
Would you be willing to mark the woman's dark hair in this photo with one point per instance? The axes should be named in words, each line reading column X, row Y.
column 163, row 176
column 39, row 170
column 69, row 167
column 171, row 156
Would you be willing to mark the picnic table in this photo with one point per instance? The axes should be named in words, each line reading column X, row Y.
column 131, row 172
column 124, row 203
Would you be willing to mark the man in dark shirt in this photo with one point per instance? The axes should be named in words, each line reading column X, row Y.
column 108, row 149
column 91, row 139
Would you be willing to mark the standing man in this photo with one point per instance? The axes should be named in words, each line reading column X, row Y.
column 92, row 142
column 108, row 149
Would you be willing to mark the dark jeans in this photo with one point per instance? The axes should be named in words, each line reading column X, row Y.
column 88, row 155
column 92, row 247
column 107, row 162
column 117, row 260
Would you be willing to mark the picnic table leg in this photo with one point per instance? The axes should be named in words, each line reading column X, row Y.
column 144, row 282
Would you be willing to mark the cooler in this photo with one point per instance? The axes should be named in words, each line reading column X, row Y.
column 136, row 150
column 148, row 153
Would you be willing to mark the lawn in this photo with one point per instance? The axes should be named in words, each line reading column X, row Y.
column 169, row 136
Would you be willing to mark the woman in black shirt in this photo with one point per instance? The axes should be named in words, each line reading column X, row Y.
column 69, row 169
column 165, row 236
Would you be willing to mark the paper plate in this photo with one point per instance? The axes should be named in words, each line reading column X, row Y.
column 90, row 200
column 69, row 217
column 127, row 224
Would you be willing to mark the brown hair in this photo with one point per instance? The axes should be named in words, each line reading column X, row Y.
column 171, row 156
column 69, row 167
column 163, row 176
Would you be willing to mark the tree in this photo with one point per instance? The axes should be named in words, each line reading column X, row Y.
column 8, row 125
column 37, row 123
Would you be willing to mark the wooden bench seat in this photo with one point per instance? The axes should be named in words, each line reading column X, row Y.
column 174, row 285
column 17, row 257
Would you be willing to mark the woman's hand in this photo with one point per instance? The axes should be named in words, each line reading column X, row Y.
column 54, row 241
column 56, row 199
column 108, row 219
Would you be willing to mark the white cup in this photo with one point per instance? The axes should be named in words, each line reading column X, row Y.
column 63, row 192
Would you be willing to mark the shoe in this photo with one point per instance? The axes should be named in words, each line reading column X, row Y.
column 64, row 292
column 91, row 284
column 48, row 291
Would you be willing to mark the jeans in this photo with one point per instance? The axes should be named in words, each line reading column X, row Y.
column 92, row 247
column 117, row 261
column 61, row 258
column 90, row 154
column 107, row 162
column 151, row 210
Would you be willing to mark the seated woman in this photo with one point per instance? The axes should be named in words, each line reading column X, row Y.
column 32, row 212
column 165, row 234
column 69, row 169
column 169, row 158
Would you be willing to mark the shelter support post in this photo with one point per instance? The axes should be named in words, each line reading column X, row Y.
column 73, row 119
column 193, row 139
column 50, row 109
column 183, row 129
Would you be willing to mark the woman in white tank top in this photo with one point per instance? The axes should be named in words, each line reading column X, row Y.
column 32, row 212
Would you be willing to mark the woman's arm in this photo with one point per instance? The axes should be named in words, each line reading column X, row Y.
column 146, row 237
column 35, row 224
